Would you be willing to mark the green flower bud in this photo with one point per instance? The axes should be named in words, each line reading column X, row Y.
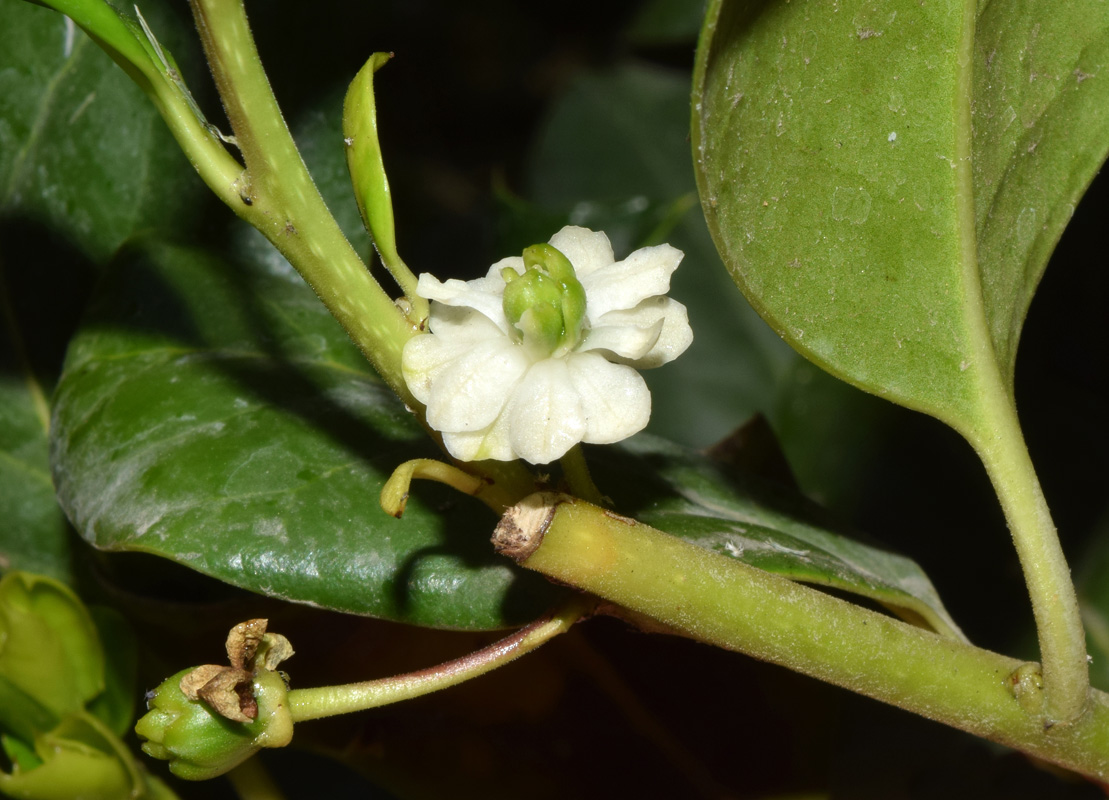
column 198, row 742
column 545, row 305
column 51, row 661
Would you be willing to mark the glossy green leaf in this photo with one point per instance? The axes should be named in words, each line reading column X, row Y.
column 886, row 181
column 760, row 523
column 219, row 417
column 34, row 534
column 81, row 148
column 84, row 162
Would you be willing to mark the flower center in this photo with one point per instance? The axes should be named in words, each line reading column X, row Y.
column 546, row 305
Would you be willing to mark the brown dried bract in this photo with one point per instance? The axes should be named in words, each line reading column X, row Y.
column 229, row 690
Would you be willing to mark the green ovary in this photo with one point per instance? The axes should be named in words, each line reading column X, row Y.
column 546, row 305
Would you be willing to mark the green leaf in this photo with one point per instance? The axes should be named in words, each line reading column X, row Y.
column 218, row 416
column 1041, row 133
column 885, row 182
column 84, row 162
column 115, row 706
column 81, row 148
column 762, row 524
column 34, row 534
column 666, row 22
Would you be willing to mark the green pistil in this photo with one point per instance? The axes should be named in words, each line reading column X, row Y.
column 546, row 305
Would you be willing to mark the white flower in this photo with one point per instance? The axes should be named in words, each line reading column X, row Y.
column 530, row 366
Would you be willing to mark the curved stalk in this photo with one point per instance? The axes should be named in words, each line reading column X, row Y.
column 996, row 436
column 1046, row 574
column 719, row 600
column 305, row 704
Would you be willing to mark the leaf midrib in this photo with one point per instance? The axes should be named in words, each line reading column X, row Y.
column 991, row 396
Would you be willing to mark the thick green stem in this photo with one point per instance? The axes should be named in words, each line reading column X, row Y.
column 277, row 195
column 305, row 704
column 727, row 603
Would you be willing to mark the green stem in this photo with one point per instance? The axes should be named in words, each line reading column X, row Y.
column 722, row 601
column 1046, row 574
column 305, row 704
column 576, row 471
column 277, row 195
column 997, row 437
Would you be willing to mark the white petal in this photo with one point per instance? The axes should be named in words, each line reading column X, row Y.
column 468, row 394
column 489, row 443
column 673, row 339
column 478, row 295
column 587, row 250
column 625, row 284
column 425, row 357
column 462, row 324
column 546, row 417
column 614, row 399
column 627, row 342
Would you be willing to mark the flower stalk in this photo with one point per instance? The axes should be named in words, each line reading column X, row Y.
column 394, row 495
column 306, row 704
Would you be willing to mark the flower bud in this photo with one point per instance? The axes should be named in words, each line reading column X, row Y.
column 78, row 758
column 51, row 661
column 198, row 742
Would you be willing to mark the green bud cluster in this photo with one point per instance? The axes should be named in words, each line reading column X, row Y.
column 64, row 700
column 546, row 305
